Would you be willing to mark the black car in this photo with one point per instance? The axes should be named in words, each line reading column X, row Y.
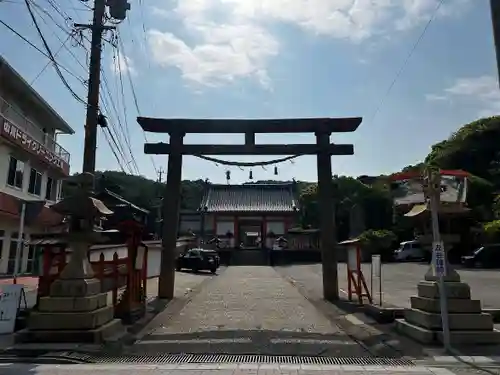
column 484, row 257
column 198, row 259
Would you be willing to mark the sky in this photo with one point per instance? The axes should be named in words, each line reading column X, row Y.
column 415, row 71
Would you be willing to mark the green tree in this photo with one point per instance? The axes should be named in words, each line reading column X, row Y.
column 375, row 202
column 473, row 148
column 378, row 242
column 491, row 231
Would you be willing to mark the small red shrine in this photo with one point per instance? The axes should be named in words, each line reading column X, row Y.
column 249, row 215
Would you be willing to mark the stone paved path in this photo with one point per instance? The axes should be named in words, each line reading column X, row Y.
column 248, row 310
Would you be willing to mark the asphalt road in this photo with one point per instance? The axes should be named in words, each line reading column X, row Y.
column 399, row 281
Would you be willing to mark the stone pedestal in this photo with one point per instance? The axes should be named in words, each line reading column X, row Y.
column 468, row 325
column 75, row 312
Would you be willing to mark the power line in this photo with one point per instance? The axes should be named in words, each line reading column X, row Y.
column 111, row 139
column 107, row 90
column 113, row 151
column 105, row 104
column 70, row 35
column 114, row 137
column 42, row 52
column 48, row 63
column 113, row 134
column 126, row 131
column 46, row 12
column 51, row 56
column 407, row 59
column 136, row 102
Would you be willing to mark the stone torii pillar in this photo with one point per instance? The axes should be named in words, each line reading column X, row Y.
column 171, row 207
column 327, row 219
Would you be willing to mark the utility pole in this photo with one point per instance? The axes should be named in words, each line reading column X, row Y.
column 160, row 174
column 495, row 19
column 118, row 10
column 90, row 142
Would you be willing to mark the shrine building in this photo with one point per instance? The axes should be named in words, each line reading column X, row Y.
column 249, row 216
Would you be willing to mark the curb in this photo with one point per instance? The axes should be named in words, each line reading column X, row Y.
column 388, row 314
column 384, row 315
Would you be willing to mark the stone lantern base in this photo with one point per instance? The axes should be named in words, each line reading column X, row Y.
column 75, row 312
column 468, row 325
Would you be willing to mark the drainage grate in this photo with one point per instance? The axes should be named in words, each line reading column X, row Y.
column 224, row 358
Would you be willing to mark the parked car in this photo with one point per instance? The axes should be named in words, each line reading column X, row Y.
column 410, row 250
column 487, row 256
column 198, row 260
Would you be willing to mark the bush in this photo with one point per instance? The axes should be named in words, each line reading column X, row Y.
column 491, row 231
column 378, row 242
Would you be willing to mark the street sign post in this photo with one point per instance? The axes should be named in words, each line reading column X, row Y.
column 438, row 252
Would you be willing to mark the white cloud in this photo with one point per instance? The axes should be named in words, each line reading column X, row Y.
column 230, row 39
column 416, row 12
column 482, row 91
column 435, row 97
column 160, row 12
column 230, row 52
column 123, row 63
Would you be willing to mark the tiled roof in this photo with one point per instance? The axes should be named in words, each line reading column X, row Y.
column 108, row 193
column 249, row 198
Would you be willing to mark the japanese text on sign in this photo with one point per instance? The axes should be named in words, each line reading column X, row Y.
column 10, row 296
column 17, row 135
column 439, row 261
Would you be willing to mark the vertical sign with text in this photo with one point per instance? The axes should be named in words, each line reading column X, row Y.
column 438, row 256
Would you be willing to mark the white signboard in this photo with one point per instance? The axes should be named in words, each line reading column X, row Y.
column 352, row 258
column 10, row 297
column 376, row 266
column 376, row 278
column 438, row 256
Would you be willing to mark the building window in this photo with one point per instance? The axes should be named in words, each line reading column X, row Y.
column 31, row 259
column 51, row 189
column 35, row 186
column 16, row 173
column 13, row 252
column 60, row 193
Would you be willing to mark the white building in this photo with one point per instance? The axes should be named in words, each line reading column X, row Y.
column 32, row 163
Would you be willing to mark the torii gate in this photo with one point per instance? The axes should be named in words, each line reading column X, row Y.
column 178, row 128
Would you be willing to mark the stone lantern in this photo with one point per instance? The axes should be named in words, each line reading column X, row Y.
column 76, row 310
